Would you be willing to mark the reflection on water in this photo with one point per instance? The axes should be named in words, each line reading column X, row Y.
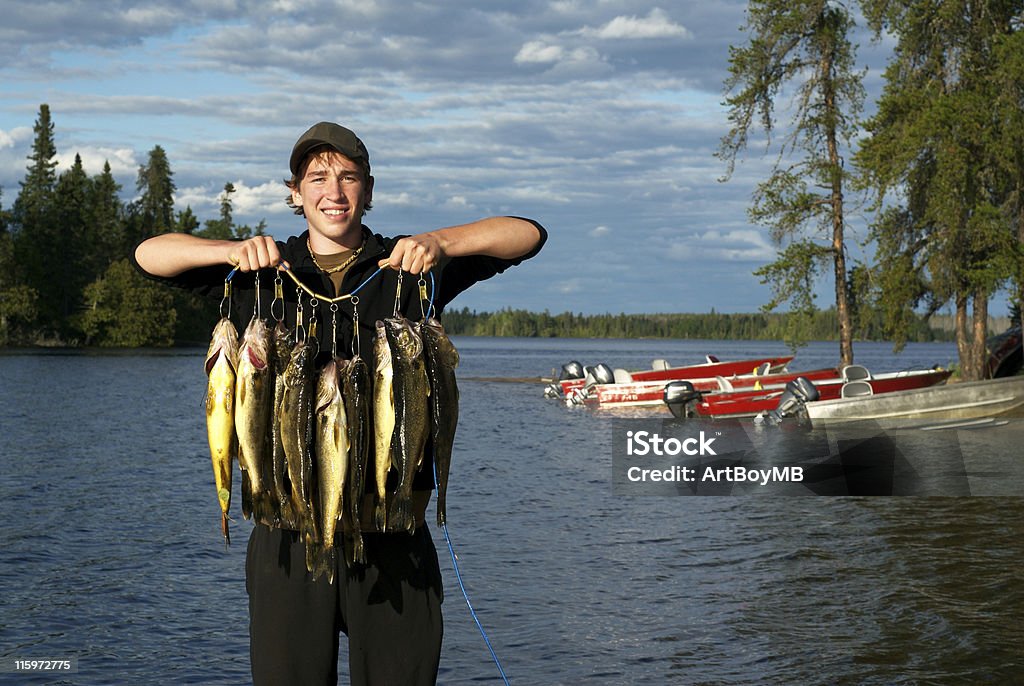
column 109, row 526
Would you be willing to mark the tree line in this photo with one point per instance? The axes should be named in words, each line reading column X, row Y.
column 712, row 326
column 65, row 278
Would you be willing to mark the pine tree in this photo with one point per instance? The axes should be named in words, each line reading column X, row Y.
column 153, row 212
column 804, row 45
column 72, row 197
column 223, row 227
column 105, row 233
column 937, row 144
column 36, row 238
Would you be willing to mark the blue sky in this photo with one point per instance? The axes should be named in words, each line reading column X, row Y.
column 600, row 119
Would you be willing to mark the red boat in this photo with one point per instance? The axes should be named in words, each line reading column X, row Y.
column 660, row 371
column 751, row 402
column 652, row 393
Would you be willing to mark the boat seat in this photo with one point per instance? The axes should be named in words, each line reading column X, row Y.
column 855, row 372
column 856, row 389
column 622, row 376
column 659, row 364
column 763, row 369
column 724, row 384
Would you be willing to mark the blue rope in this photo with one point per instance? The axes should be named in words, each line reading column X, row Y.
column 368, row 280
column 465, row 594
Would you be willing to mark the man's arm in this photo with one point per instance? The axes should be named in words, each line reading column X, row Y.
column 503, row 237
column 171, row 254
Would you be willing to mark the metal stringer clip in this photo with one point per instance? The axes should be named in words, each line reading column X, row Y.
column 424, row 298
column 334, row 329
column 257, row 310
column 355, row 326
column 278, row 298
column 226, row 300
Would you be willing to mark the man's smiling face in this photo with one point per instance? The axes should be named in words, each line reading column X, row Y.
column 333, row 193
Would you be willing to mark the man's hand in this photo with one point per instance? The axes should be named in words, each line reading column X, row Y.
column 258, row 252
column 416, row 254
column 502, row 237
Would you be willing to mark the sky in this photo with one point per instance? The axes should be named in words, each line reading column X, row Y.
column 599, row 119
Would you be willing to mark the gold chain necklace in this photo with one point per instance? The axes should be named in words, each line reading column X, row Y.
column 339, row 267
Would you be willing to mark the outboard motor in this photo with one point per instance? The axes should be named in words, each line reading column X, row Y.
column 571, row 370
column 798, row 392
column 680, row 396
column 600, row 373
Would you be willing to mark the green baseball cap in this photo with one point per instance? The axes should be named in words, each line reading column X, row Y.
column 334, row 135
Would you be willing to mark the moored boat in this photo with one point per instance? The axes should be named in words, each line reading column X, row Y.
column 966, row 400
column 652, row 393
column 749, row 403
column 575, row 376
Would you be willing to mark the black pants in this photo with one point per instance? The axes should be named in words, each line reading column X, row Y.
column 390, row 609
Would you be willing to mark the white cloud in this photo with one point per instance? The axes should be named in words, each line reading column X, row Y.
column 17, row 137
column 265, row 198
column 599, row 231
column 538, row 52
column 739, row 245
column 656, row 24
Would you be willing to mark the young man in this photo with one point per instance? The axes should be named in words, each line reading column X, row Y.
column 390, row 607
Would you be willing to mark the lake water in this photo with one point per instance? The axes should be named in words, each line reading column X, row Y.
column 112, row 554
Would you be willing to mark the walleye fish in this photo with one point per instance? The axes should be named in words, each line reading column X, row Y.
column 442, row 358
column 411, row 392
column 355, row 389
column 280, row 486
column 383, row 420
column 221, row 361
column 332, row 453
column 253, row 398
column 296, row 418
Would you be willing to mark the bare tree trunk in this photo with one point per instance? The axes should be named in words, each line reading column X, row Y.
column 962, row 345
column 838, row 228
column 979, row 334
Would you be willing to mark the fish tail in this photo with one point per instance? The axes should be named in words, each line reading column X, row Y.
column 328, row 562
column 442, row 507
column 288, row 518
column 321, row 560
column 358, row 549
column 312, row 558
column 263, row 508
column 247, row 504
column 400, row 517
column 380, row 516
